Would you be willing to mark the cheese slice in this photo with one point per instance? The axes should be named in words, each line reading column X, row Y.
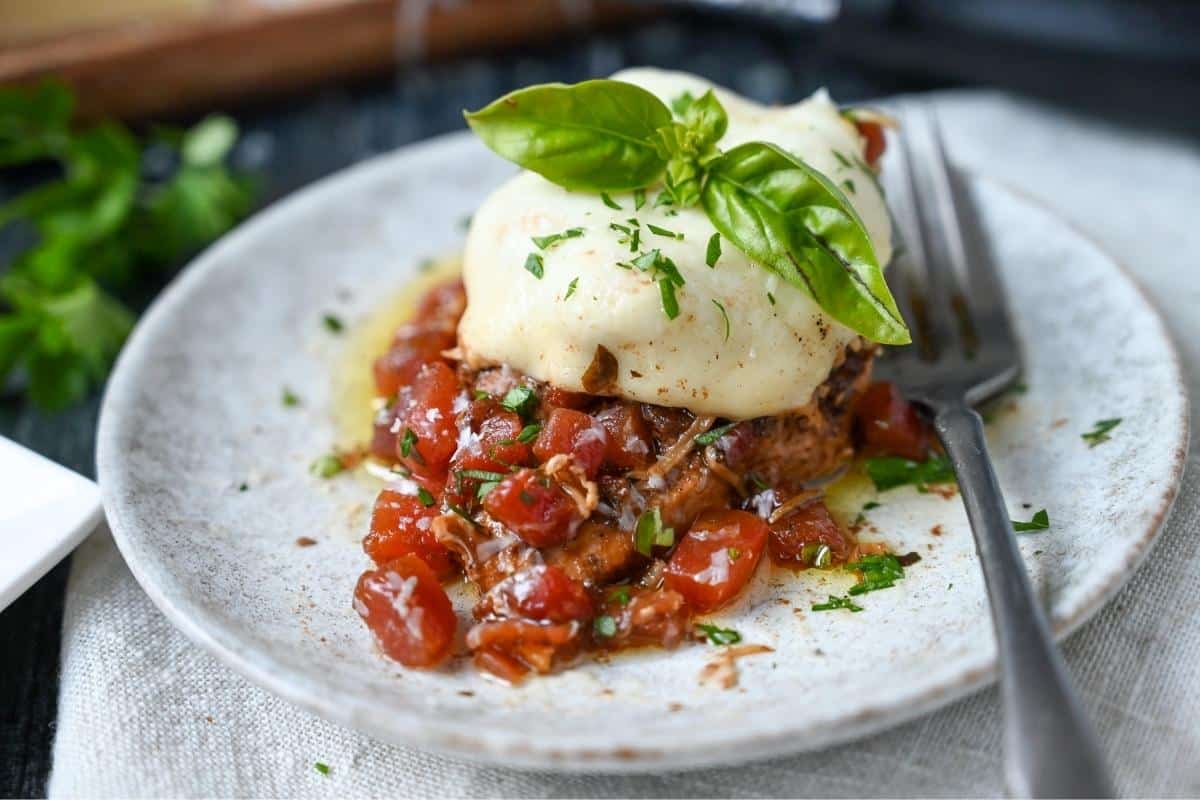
column 780, row 346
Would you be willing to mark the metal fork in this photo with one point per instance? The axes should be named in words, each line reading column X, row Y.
column 963, row 353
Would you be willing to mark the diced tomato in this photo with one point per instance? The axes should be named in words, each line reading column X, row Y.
column 401, row 526
column 716, row 558
column 495, row 447
column 573, row 432
column 876, row 142
column 629, row 442
column 425, row 429
column 407, row 609
column 534, row 507
column 642, row 617
column 443, row 303
column 554, row 397
column 542, row 593
column 507, row 648
column 887, row 423
column 414, row 346
column 796, row 540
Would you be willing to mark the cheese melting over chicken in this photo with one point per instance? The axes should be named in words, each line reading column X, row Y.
column 780, row 345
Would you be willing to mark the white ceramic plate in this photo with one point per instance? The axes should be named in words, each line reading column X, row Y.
column 194, row 410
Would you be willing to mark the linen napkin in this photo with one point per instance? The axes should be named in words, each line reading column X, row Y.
column 143, row 712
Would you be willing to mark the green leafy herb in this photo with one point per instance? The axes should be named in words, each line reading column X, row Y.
column 604, row 626
column 849, row 185
column 869, row 505
column 670, row 304
column 479, row 475
column 485, row 488
column 835, row 602
column 1039, row 522
column 571, row 287
column 718, row 636
column 425, row 497
column 639, row 199
column 711, row 435
column 407, row 441
column 243, row 487
column 608, row 201
column 520, row 400
column 878, row 572
column 534, row 266
column 650, row 532
column 480, row 394
column 546, row 242
column 333, row 324
column 289, row 398
column 841, row 159
column 713, row 251
column 664, row 271
column 529, row 433
column 327, row 466
column 97, row 229
column 1099, row 432
column 724, row 316
column 657, row 231
column 770, row 298
column 890, row 472
column 619, row 595
column 682, row 102
column 321, row 767
column 805, row 231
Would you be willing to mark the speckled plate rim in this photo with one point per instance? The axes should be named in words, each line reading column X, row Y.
column 515, row 749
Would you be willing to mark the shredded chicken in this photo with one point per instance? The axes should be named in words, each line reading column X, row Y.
column 677, row 452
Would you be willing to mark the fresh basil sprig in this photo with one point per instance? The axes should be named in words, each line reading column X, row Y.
column 605, row 135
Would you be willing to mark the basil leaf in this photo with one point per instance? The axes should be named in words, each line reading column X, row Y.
column 706, row 118
column 592, row 136
column 1039, row 522
column 791, row 219
column 888, row 472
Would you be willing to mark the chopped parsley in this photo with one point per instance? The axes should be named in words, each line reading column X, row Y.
column 520, row 400
column 327, row 466
column 333, row 324
column 663, row 270
column 835, row 602
column 639, row 199
column 243, row 487
column 546, row 242
column 718, row 636
column 664, row 199
column 571, row 287
column 734, row 553
column 619, row 595
column 670, row 303
column 849, row 184
column 480, row 475
column 711, row 435
column 770, row 298
column 841, row 159
column 664, row 232
column 878, row 572
column 534, row 266
column 870, row 504
column 321, row 767
column 682, row 103
column 604, row 626
column 724, row 316
column 289, row 398
column 529, row 433
column 1039, row 522
column 759, row 482
column 890, row 472
column 1099, row 432
column 650, row 532
column 425, row 497
column 485, row 489
column 713, row 251
column 608, row 201
column 407, row 441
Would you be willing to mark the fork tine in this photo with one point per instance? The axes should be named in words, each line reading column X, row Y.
column 903, row 273
column 938, row 229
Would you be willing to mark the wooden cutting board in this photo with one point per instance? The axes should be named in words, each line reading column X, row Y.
column 138, row 58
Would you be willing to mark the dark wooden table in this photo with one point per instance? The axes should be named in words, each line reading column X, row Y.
column 295, row 141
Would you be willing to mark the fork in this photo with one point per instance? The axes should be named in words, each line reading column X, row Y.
column 964, row 352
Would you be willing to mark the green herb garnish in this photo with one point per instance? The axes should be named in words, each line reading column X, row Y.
column 425, row 496
column 321, row 767
column 332, row 323
column 289, row 398
column 480, row 475
column 1039, row 522
column 718, row 636
column 327, row 466
column 529, row 433
column 682, row 103
column 619, row 595
column 713, row 251
column 639, row 199
column 604, row 626
column 571, row 287
column 608, row 201
column 546, row 242
column 711, row 435
column 407, row 441
column 534, row 265
column 890, row 472
column 878, row 572
column 1099, row 432
column 724, row 317
column 835, row 602
column 650, row 532
column 520, row 400
column 656, row 230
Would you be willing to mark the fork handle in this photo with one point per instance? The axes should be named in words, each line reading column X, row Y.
column 1050, row 748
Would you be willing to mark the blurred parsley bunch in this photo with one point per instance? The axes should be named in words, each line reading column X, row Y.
column 106, row 222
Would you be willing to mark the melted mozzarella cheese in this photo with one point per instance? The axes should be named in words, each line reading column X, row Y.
column 780, row 345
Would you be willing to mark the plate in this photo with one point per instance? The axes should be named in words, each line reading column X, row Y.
column 205, row 483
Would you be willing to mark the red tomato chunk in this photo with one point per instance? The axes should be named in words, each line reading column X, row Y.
column 629, row 442
column 401, row 526
column 554, row 397
column 413, row 347
column 716, row 558
column 408, row 612
column 510, row 648
column 495, row 447
column 443, row 303
column 573, row 433
column 887, row 423
column 534, row 507
column 796, row 539
column 425, row 427
column 542, row 593
column 876, row 142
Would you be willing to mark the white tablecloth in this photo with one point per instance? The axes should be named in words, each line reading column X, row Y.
column 143, row 712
